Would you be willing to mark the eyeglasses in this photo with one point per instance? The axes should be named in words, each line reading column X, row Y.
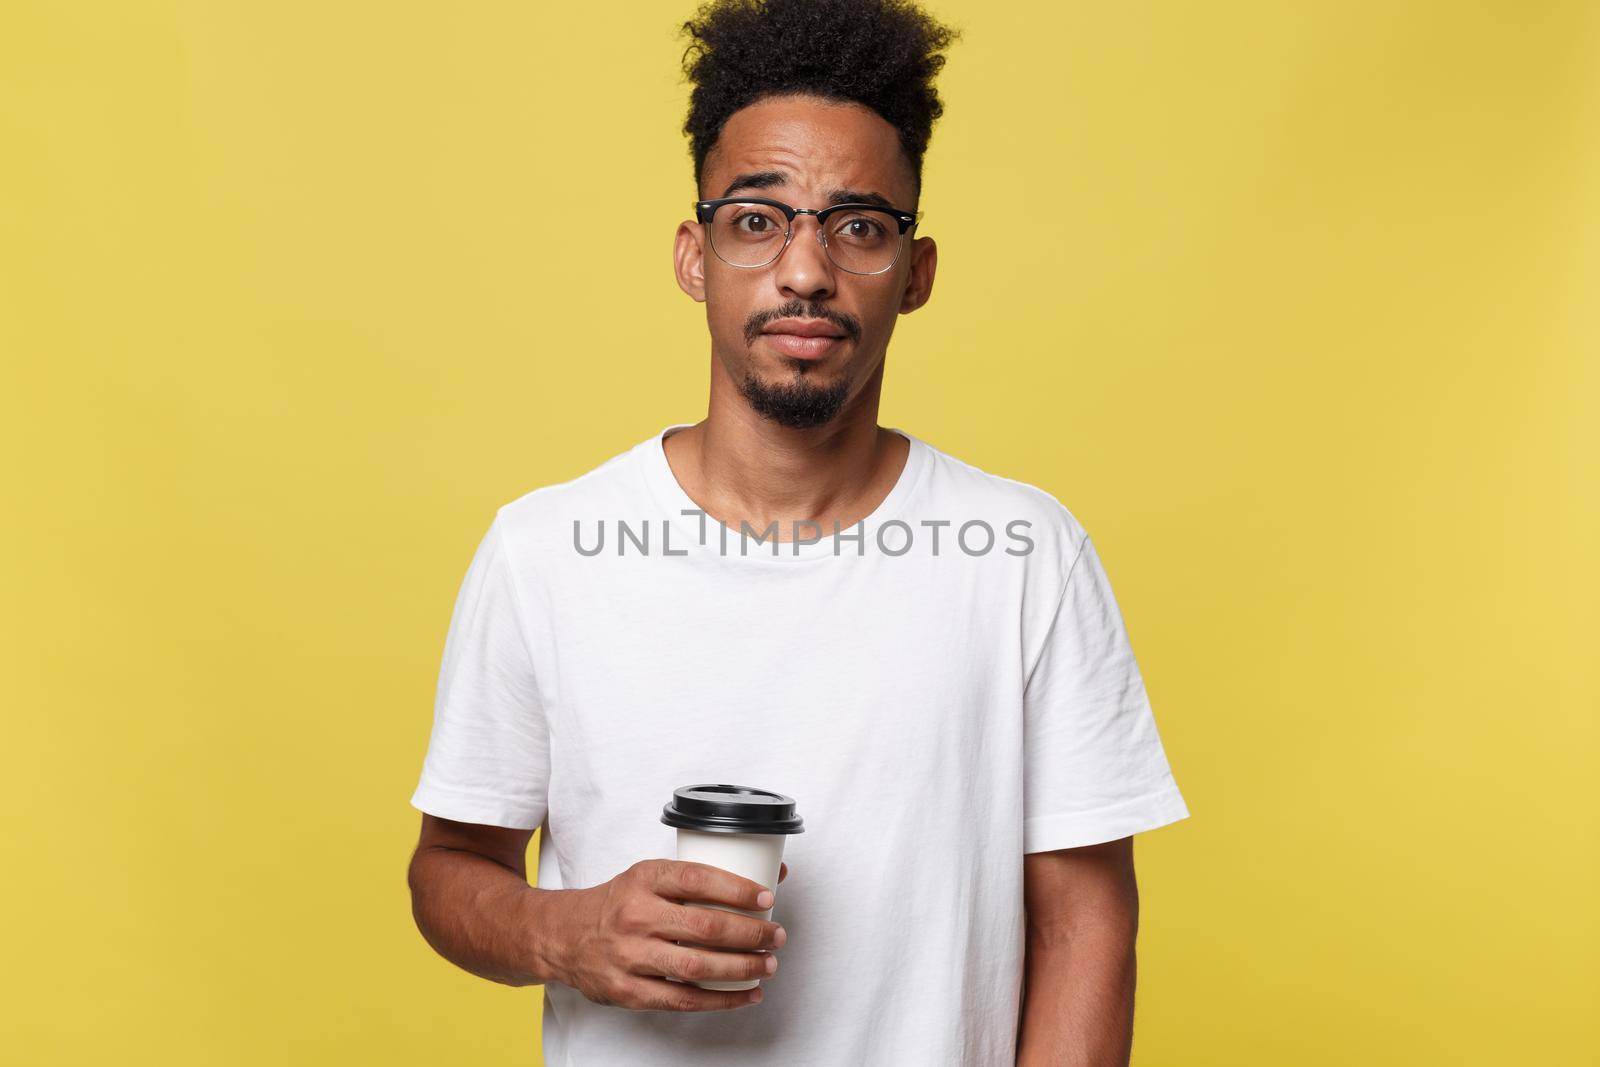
column 752, row 231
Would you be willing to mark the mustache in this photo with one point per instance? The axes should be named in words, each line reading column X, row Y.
column 796, row 309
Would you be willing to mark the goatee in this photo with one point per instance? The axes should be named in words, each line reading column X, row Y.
column 798, row 405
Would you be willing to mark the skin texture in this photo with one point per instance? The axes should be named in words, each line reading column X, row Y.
column 614, row 941
column 1078, row 983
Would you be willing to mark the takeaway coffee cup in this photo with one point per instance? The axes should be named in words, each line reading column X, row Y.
column 739, row 829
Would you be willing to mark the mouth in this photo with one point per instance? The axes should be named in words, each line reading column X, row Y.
column 802, row 347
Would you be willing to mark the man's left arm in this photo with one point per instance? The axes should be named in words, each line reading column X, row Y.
column 1079, row 975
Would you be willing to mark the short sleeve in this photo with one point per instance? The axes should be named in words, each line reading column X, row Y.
column 488, row 757
column 1094, row 766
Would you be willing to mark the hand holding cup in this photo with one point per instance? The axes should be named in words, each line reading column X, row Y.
column 617, row 943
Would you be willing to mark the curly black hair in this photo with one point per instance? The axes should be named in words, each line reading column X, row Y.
column 879, row 53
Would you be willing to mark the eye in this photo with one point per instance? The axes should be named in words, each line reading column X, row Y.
column 764, row 224
column 860, row 227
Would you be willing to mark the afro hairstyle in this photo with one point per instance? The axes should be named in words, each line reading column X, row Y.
column 882, row 54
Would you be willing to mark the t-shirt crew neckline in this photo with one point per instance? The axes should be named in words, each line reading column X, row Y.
column 670, row 496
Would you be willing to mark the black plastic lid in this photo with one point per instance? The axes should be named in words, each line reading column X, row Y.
column 731, row 809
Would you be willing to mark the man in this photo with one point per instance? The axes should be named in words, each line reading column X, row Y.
column 927, row 657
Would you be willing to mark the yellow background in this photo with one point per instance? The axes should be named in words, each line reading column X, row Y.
column 1301, row 324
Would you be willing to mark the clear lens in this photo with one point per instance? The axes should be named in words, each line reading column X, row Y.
column 863, row 240
column 748, row 235
column 859, row 240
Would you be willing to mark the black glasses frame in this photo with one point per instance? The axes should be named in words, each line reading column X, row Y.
column 705, row 209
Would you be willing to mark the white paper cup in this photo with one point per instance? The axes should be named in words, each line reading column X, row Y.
column 752, row 856
column 738, row 829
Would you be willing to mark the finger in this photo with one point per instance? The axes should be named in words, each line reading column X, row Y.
column 783, row 871
column 658, row 994
column 687, row 880
column 716, row 928
column 689, row 963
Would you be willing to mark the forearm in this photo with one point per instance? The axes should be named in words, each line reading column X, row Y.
column 482, row 916
column 1077, row 1006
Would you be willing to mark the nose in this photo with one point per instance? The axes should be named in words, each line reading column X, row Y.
column 804, row 269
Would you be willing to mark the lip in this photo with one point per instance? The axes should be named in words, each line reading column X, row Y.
column 802, row 347
column 803, row 338
column 804, row 328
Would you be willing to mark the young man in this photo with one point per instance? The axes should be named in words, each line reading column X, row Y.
column 927, row 657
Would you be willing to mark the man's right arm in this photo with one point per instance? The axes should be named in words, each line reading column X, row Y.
column 471, row 899
column 616, row 943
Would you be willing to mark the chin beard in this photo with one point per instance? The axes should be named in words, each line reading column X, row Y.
column 798, row 405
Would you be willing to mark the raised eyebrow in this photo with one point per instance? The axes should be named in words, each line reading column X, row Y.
column 767, row 179
column 854, row 196
column 764, row 179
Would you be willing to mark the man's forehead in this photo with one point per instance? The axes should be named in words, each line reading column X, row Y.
column 785, row 146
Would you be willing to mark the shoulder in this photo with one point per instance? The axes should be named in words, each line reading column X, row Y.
column 964, row 492
column 540, row 520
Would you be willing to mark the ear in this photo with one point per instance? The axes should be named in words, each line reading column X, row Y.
column 689, row 259
column 924, row 259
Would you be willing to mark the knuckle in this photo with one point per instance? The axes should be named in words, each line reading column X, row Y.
column 662, row 1001
column 693, row 879
column 659, row 960
column 630, row 914
column 619, row 992
column 703, row 924
column 691, row 966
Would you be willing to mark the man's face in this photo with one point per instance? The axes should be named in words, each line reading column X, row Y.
column 802, row 150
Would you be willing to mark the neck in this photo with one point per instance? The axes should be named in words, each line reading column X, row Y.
column 741, row 467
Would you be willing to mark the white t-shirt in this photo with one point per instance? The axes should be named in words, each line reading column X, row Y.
column 938, row 700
